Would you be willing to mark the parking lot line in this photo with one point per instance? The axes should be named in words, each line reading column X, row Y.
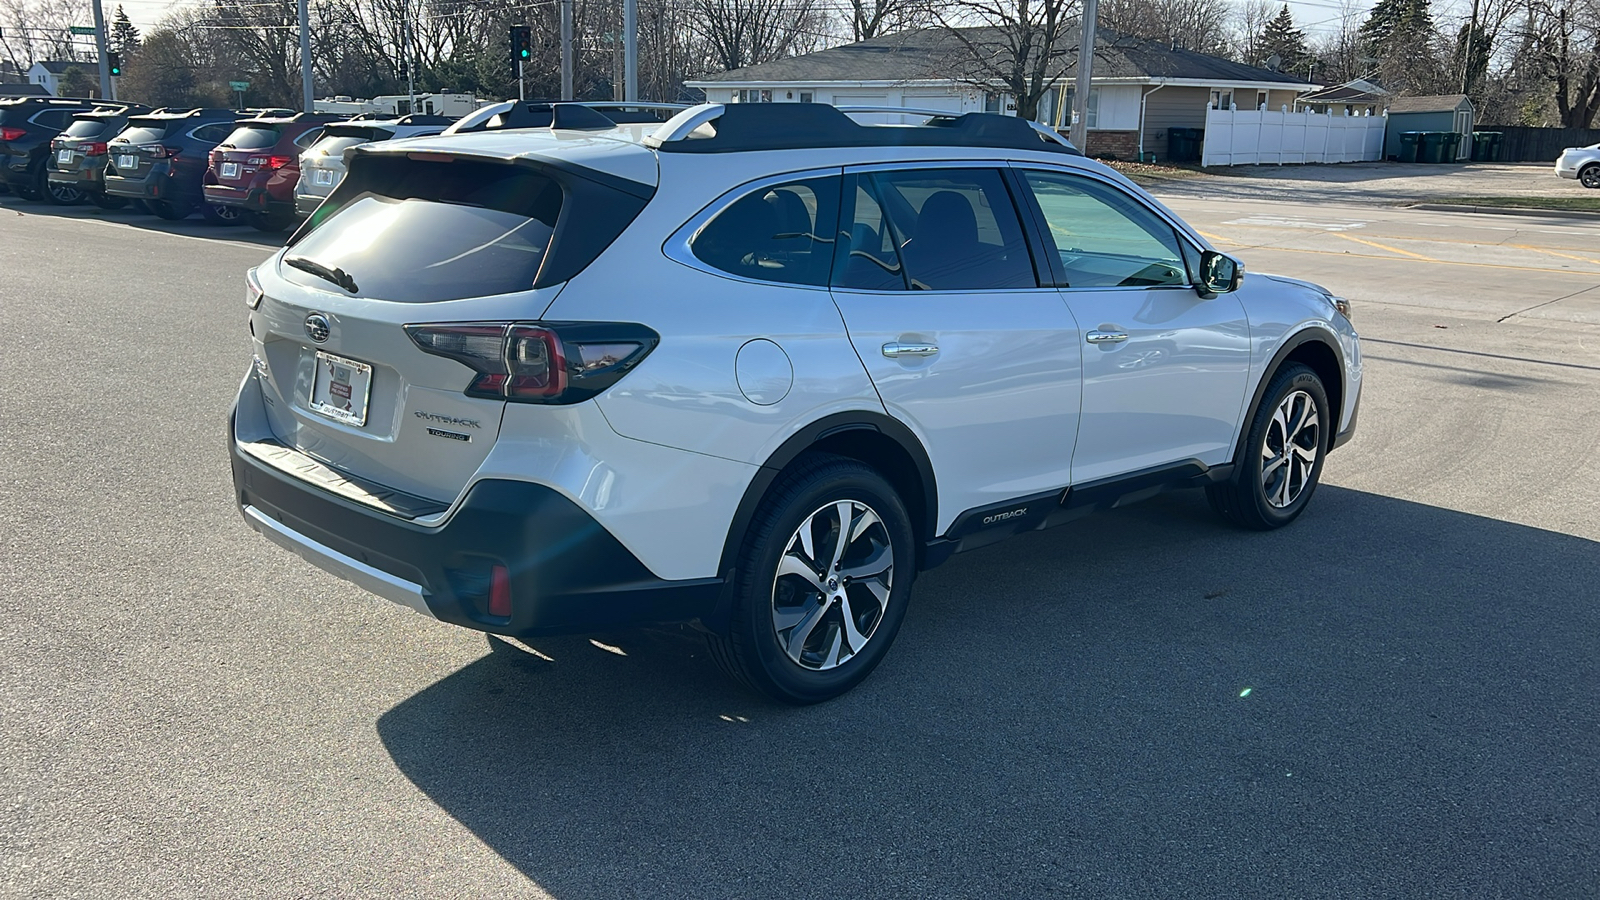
column 1384, row 247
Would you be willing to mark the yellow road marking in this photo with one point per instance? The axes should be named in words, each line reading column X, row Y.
column 1383, row 246
column 1554, row 253
column 1215, row 237
column 1441, row 262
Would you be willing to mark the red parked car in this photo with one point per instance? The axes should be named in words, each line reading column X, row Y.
column 254, row 171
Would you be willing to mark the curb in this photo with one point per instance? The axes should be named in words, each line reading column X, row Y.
column 1507, row 210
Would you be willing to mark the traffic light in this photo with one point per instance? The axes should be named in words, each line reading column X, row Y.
column 521, row 46
column 116, row 64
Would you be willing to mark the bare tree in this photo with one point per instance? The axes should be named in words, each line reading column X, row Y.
column 743, row 33
column 1199, row 25
column 1565, row 45
column 1022, row 46
column 874, row 18
column 1248, row 20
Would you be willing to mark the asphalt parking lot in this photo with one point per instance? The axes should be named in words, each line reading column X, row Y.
column 1398, row 696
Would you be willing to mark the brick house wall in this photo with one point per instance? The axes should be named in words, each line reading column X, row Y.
column 1121, row 144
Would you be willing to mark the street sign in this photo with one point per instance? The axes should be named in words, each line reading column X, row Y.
column 238, row 85
column 81, row 29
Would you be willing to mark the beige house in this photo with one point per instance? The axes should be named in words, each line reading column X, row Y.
column 1139, row 90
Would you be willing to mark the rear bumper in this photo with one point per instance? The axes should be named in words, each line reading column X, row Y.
column 254, row 199
column 85, row 179
column 567, row 573
column 306, row 204
column 155, row 186
column 14, row 168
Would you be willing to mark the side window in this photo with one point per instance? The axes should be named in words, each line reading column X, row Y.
column 869, row 250
column 956, row 229
column 308, row 138
column 212, row 134
column 55, row 118
column 1104, row 237
column 782, row 233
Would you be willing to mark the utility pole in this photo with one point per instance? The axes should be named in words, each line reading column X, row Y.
column 630, row 52
column 1080, row 97
column 1468, row 47
column 307, row 89
column 407, row 33
column 566, row 49
column 100, row 45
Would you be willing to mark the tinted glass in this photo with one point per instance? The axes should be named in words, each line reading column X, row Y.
column 437, row 231
column 139, row 134
column 55, row 118
column 85, row 128
column 957, row 229
column 869, row 255
column 336, row 145
column 251, row 137
column 213, row 133
column 782, row 233
column 1104, row 237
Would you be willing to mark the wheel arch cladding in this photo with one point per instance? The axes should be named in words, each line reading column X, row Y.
column 1317, row 351
column 870, row 438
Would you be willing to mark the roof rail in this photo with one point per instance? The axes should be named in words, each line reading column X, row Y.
column 728, row 128
column 565, row 115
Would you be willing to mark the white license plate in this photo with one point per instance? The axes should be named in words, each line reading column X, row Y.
column 340, row 389
column 322, row 176
column 127, row 161
column 230, row 170
column 63, row 156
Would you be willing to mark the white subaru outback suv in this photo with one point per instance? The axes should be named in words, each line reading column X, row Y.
column 753, row 369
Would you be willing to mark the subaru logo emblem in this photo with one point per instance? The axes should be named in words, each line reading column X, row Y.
column 317, row 327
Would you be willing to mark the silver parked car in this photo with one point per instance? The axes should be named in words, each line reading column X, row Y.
column 1582, row 163
column 322, row 165
column 755, row 368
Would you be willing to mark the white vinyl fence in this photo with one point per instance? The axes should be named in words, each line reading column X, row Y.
column 1244, row 137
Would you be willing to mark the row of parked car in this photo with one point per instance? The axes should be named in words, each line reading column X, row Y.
column 263, row 167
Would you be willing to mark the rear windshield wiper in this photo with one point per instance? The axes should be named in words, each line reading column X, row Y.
column 326, row 273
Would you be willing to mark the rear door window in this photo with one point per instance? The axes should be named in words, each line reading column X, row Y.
column 213, row 133
column 55, row 118
column 251, row 137
column 336, row 144
column 421, row 232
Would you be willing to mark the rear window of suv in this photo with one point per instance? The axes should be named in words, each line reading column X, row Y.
column 423, row 232
column 84, row 128
column 251, row 137
column 142, row 134
column 337, row 144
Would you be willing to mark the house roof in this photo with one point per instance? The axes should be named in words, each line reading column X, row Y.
column 1357, row 91
column 60, row 66
column 23, row 90
column 928, row 54
column 1437, row 103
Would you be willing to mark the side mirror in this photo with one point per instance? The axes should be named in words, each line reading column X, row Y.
column 1219, row 274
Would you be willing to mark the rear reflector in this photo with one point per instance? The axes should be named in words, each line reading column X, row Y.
column 500, row 592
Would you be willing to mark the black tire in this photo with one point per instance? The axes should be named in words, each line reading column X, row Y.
column 221, row 215
column 1589, row 176
column 269, row 222
column 808, row 494
column 107, row 201
column 57, row 194
column 171, row 210
column 1268, row 472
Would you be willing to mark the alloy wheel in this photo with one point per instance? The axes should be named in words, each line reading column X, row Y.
column 1590, row 177
column 1289, row 449
column 833, row 585
column 64, row 194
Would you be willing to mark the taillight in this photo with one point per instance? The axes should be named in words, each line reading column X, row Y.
column 278, row 162
column 559, row 363
column 12, row 134
column 98, row 148
column 252, row 289
column 162, row 151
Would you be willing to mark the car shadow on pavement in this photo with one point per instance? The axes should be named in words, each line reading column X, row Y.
column 1385, row 699
column 193, row 226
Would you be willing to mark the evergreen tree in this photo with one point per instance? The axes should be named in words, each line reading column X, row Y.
column 1398, row 37
column 124, row 36
column 1279, row 37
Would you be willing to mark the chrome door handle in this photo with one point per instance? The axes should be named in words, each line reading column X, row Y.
column 1106, row 337
column 895, row 349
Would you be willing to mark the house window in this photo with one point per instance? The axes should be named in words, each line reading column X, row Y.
column 1261, row 99
column 1222, row 99
column 1070, row 107
column 752, row 96
column 805, row 97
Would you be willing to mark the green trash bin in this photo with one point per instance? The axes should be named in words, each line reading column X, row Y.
column 1410, row 142
column 1430, row 149
column 1491, row 149
column 1183, row 144
column 1480, row 145
column 1451, row 149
